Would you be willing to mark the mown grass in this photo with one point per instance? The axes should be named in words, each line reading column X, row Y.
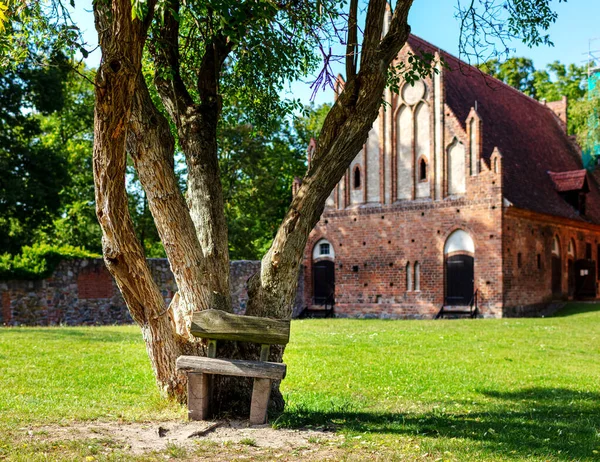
column 508, row 389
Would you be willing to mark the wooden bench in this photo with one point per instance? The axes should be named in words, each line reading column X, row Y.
column 218, row 325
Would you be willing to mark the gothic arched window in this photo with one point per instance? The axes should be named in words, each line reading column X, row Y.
column 357, row 177
column 422, row 169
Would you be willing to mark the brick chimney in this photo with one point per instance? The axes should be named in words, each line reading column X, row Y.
column 560, row 109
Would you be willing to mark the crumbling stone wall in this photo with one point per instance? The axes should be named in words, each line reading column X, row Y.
column 82, row 292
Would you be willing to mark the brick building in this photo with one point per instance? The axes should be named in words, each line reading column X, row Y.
column 464, row 185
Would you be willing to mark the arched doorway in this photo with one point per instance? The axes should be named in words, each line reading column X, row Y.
column 323, row 273
column 459, row 252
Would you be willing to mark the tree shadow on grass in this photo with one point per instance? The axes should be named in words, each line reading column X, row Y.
column 537, row 421
column 573, row 309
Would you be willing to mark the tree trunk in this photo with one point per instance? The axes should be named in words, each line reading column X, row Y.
column 151, row 146
column 122, row 41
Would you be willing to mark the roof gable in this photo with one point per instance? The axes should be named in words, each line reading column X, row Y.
column 526, row 131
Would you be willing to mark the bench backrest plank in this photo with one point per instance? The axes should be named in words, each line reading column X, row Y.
column 237, row 367
column 219, row 325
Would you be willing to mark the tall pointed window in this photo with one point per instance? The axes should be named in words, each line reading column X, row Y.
column 422, row 169
column 417, row 276
column 357, row 181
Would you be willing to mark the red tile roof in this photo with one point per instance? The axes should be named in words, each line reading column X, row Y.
column 526, row 132
column 570, row 181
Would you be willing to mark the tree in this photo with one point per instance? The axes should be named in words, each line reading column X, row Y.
column 516, row 72
column 202, row 51
column 69, row 133
column 257, row 172
column 33, row 174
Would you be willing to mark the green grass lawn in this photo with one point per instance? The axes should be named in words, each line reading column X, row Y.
column 507, row 389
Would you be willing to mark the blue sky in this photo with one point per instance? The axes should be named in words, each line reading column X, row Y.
column 433, row 20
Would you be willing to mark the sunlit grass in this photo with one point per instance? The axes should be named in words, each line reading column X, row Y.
column 471, row 389
column 507, row 389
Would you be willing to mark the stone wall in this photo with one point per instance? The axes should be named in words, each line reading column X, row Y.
column 82, row 292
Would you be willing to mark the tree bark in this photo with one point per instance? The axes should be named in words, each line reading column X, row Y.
column 197, row 132
column 122, row 41
column 152, row 146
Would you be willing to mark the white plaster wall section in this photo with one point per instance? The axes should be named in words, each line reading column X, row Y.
column 456, row 168
column 459, row 241
column 413, row 94
column 387, row 147
column 438, row 132
column 474, row 154
column 373, row 167
column 422, row 147
column 342, row 193
column 404, row 148
column 356, row 194
column 330, row 202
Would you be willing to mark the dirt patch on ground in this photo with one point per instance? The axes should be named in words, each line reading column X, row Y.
column 221, row 440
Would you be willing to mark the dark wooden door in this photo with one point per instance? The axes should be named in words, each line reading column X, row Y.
column 556, row 276
column 571, row 278
column 459, row 279
column 585, row 279
column 323, row 282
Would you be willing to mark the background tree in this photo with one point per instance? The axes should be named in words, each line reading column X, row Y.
column 257, row 171
column 33, row 174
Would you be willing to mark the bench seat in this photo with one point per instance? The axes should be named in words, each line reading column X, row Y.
column 236, row 367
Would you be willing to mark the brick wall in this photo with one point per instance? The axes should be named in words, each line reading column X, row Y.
column 528, row 288
column 82, row 292
column 374, row 244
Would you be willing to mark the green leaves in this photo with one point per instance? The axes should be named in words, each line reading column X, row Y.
column 487, row 27
column 38, row 261
column 416, row 67
column 139, row 9
column 3, row 17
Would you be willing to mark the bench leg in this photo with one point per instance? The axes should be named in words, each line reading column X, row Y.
column 199, row 395
column 260, row 401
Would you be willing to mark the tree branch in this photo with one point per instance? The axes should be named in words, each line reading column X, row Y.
column 151, row 146
column 343, row 135
column 122, row 41
column 352, row 42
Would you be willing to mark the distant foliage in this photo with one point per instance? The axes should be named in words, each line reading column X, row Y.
column 38, row 261
column 550, row 84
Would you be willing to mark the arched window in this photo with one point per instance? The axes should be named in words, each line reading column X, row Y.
column 556, row 246
column 417, row 276
column 571, row 248
column 408, row 278
column 556, row 267
column 422, row 169
column 323, row 249
column 459, row 241
column 495, row 165
column 356, row 177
